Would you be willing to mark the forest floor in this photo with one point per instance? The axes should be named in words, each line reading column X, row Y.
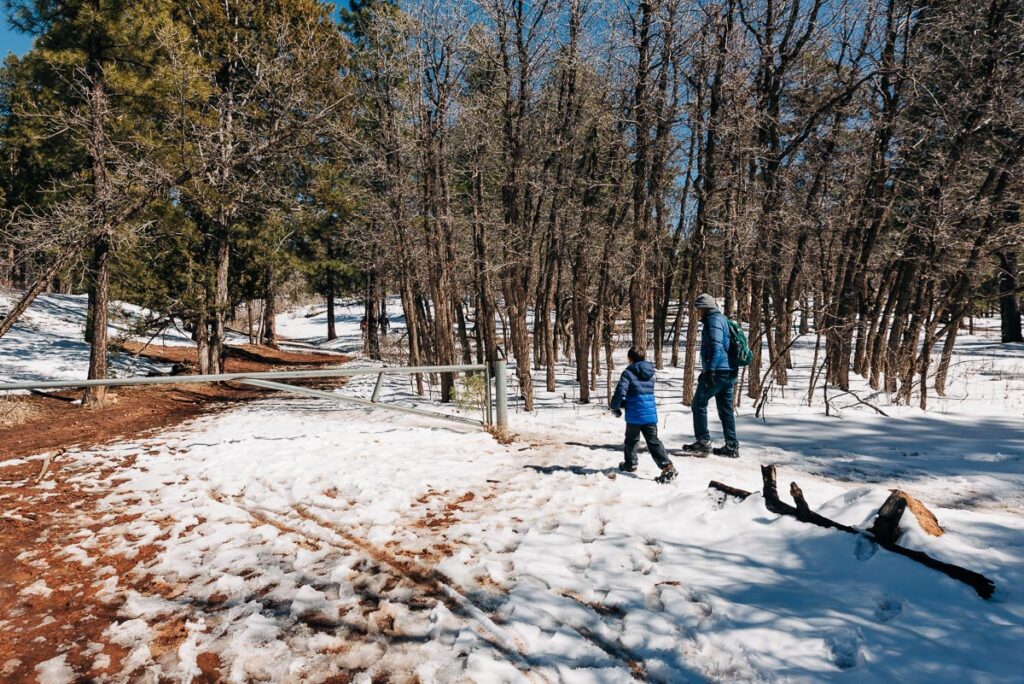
column 289, row 539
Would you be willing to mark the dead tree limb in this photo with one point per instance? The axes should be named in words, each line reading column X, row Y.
column 885, row 537
column 865, row 403
column 31, row 293
column 729, row 491
column 802, row 513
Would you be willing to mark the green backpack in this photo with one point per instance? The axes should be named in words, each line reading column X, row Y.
column 740, row 353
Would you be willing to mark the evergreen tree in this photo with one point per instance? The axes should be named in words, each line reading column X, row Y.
column 105, row 56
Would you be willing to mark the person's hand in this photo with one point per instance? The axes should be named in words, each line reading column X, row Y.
column 617, row 413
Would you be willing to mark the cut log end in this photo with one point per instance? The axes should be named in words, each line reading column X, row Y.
column 798, row 498
column 925, row 518
column 886, row 526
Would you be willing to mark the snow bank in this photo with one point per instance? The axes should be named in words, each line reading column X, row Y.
column 47, row 342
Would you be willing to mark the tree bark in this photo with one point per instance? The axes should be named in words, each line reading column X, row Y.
column 1009, row 297
column 270, row 309
column 99, row 293
column 332, row 331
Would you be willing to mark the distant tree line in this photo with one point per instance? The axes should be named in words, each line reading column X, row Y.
column 526, row 175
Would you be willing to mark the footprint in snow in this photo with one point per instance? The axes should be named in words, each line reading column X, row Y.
column 888, row 608
column 641, row 564
column 701, row 606
column 845, row 647
column 652, row 599
column 581, row 561
column 592, row 529
column 854, row 495
column 549, row 525
column 864, row 549
column 653, row 549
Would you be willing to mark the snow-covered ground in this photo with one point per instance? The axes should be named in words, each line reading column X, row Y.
column 47, row 342
column 300, row 539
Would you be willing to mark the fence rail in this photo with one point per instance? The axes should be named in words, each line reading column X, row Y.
column 266, row 380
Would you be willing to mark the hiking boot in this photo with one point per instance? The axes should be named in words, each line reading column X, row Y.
column 668, row 473
column 627, row 468
column 727, row 451
column 697, row 448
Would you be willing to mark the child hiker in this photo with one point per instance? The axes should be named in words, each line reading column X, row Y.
column 636, row 391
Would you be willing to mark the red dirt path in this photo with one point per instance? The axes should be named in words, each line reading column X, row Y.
column 39, row 522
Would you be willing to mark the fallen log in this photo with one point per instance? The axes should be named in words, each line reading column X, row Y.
column 887, row 524
column 883, row 532
column 981, row 584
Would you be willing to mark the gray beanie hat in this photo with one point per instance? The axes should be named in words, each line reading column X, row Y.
column 705, row 301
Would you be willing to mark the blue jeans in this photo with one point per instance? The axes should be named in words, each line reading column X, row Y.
column 720, row 385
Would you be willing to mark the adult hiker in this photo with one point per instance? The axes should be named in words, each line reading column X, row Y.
column 636, row 391
column 719, row 370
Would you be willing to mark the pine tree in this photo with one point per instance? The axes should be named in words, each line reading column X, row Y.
column 105, row 55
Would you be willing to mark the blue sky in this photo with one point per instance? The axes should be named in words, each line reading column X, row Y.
column 11, row 40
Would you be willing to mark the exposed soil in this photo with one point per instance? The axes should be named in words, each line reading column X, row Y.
column 53, row 422
column 244, row 358
column 70, row 610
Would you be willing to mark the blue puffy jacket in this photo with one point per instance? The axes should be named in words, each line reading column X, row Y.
column 715, row 342
column 636, row 391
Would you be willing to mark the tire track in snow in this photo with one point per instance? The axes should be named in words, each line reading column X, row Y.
column 546, row 451
column 435, row 584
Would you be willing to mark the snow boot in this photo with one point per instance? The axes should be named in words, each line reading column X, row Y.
column 726, row 451
column 668, row 473
column 627, row 468
column 700, row 449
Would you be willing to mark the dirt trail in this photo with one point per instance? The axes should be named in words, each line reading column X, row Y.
column 65, row 602
column 54, row 422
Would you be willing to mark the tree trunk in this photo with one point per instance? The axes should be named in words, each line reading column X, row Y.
column 520, row 339
column 332, row 331
column 99, row 266
column 270, row 309
column 201, row 334
column 460, row 317
column 372, row 344
column 1009, row 297
column 99, row 293
column 942, row 372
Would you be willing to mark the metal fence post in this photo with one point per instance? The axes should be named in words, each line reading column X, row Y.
column 488, row 414
column 501, row 393
column 376, row 388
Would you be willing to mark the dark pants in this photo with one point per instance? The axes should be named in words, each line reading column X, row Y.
column 654, row 445
column 720, row 386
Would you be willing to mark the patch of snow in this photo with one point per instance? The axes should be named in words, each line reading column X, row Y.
column 37, row 588
column 55, row 671
column 78, row 554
